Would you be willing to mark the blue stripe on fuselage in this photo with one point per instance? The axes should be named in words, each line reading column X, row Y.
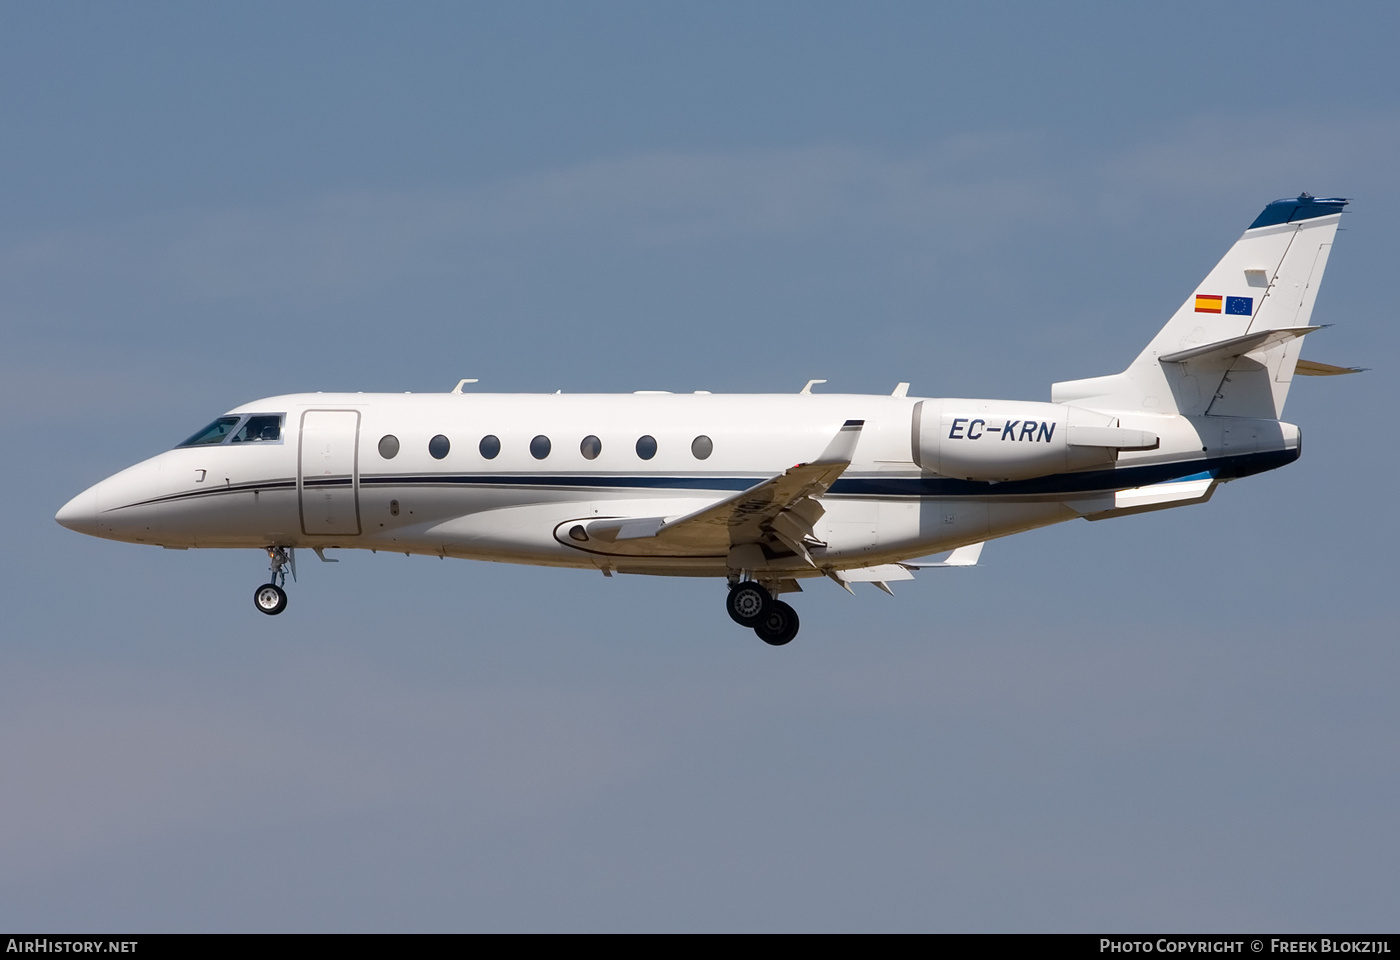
column 1092, row 481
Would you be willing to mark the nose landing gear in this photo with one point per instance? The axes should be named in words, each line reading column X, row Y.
column 751, row 604
column 270, row 598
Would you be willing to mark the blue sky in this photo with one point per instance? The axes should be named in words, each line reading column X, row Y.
column 1179, row 721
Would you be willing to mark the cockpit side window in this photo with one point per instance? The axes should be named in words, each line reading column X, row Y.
column 214, row 433
column 259, row 429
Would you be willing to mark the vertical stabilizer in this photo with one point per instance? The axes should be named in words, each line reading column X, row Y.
column 1267, row 281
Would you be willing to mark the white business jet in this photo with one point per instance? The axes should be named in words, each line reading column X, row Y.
column 765, row 491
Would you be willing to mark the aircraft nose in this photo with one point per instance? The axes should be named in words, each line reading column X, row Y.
column 80, row 513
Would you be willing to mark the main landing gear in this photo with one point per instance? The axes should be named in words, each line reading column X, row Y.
column 270, row 598
column 750, row 604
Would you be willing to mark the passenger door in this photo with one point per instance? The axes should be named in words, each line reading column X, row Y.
column 328, row 476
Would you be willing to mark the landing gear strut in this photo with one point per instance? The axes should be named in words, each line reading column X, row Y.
column 750, row 604
column 270, row 598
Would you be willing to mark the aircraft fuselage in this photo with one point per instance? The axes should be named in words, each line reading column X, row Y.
column 326, row 481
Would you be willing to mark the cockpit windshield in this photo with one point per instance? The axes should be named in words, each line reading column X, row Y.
column 214, row 433
column 255, row 428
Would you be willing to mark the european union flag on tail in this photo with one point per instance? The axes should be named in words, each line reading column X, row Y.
column 1239, row 306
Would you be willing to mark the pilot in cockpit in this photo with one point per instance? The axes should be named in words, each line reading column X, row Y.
column 259, row 429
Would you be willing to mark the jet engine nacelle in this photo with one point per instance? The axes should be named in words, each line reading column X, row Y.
column 1015, row 440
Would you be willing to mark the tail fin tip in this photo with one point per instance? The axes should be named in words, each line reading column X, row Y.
column 1293, row 209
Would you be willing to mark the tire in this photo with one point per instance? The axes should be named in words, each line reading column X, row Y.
column 779, row 627
column 748, row 603
column 270, row 599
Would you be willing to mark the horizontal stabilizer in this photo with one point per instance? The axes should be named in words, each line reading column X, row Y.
column 1237, row 346
column 1311, row 368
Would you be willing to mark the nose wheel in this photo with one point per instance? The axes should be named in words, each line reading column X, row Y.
column 270, row 598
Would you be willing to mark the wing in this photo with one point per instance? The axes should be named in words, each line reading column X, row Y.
column 779, row 511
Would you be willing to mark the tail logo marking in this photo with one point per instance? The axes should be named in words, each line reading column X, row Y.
column 1236, row 306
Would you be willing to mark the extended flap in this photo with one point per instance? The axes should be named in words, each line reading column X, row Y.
column 962, row 557
column 881, row 574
